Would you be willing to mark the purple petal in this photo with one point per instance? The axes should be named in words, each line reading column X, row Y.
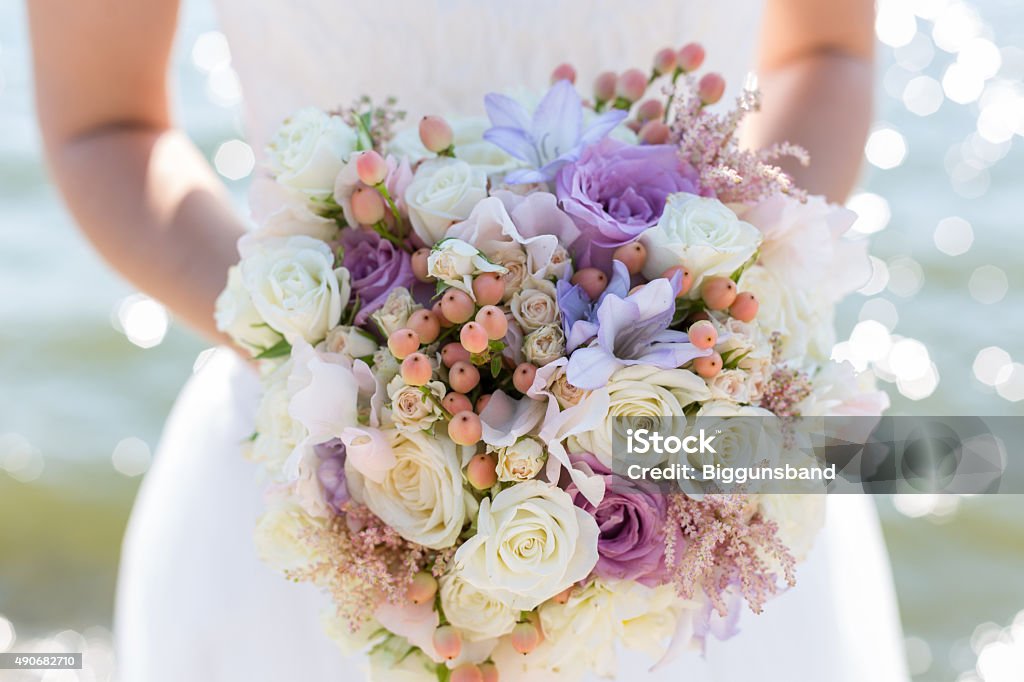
column 671, row 355
column 590, row 368
column 655, row 299
column 557, row 121
column 505, row 112
column 524, row 176
column 515, row 141
column 618, row 284
column 602, row 125
column 615, row 315
column 581, row 332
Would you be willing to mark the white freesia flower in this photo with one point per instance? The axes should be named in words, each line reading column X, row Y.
column 521, row 461
column 703, row 235
column 295, row 286
column 454, row 262
column 535, row 306
column 532, row 542
column 421, row 496
column 468, row 140
column 309, row 150
column 442, row 192
column 544, row 344
column 350, row 342
column 237, row 317
column 279, row 535
column 411, row 409
column 647, row 396
column 395, row 312
column 476, row 614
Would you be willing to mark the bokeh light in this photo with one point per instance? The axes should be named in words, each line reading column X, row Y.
column 143, row 320
column 131, row 457
column 953, row 236
column 988, row 284
column 989, row 364
column 886, row 148
column 234, row 160
column 873, row 213
column 1010, row 384
column 906, row 276
column 7, row 635
column 880, row 310
column 923, row 96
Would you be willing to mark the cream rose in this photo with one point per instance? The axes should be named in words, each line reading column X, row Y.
column 443, row 191
column 545, row 344
column 730, row 384
column 237, row 317
column 280, row 533
column 395, row 312
column 534, row 306
column 647, row 396
column 350, row 342
column 565, row 393
column 411, row 409
column 277, row 432
column 421, row 496
column 701, row 233
column 531, row 543
column 309, row 150
column 477, row 615
column 295, row 287
column 513, row 259
column 454, row 262
column 521, row 461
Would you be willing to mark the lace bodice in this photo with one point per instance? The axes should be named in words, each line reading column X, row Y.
column 442, row 56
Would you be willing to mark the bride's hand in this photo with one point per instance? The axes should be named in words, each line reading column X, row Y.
column 815, row 69
column 138, row 188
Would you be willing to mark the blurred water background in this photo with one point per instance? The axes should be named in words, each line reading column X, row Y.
column 89, row 368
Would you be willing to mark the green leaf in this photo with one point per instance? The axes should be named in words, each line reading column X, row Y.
column 495, row 366
column 278, row 350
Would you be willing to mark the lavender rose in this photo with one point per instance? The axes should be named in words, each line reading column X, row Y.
column 616, row 191
column 376, row 266
column 631, row 524
column 331, row 473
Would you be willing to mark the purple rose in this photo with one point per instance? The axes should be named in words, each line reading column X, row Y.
column 376, row 266
column 331, row 473
column 631, row 521
column 617, row 190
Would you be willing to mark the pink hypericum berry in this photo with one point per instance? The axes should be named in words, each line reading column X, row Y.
column 482, row 471
column 403, row 342
column 481, row 403
column 525, row 637
column 708, row 366
column 473, row 337
column 435, row 134
column 457, row 306
column 439, row 314
column 371, row 168
column 489, row 288
column 416, row 369
column 447, row 642
column 687, row 280
column 650, row 110
column 665, row 61
column 463, row 376
column 631, row 85
column 654, row 132
column 489, row 672
column 453, row 352
column 592, row 281
column 744, row 308
column 718, row 292
column 467, row 672
column 367, row 206
column 632, row 255
column 563, row 596
column 703, row 334
column 419, row 264
column 465, row 429
column 711, row 88
column 494, row 322
column 523, row 377
column 426, row 325
column 456, row 402
column 690, row 57
column 604, row 86
column 563, row 72
column 422, row 588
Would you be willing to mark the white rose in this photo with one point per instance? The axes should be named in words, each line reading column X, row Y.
column 730, row 384
column 477, row 615
column 280, row 533
column 338, row 628
column 395, row 312
column 237, row 317
column 702, row 234
column 351, row 342
column 647, row 396
column 454, row 262
column 521, row 461
column 535, row 306
column 545, row 344
column 799, row 517
column 309, row 150
column 421, row 496
column 513, row 259
column 411, row 409
column 277, row 432
column 395, row 660
column 744, row 437
column 295, row 286
column 531, row 543
column 565, row 393
column 443, row 191
column 560, row 266
column 468, row 140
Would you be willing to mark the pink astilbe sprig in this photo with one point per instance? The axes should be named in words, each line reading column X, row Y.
column 786, row 387
column 709, row 142
column 362, row 562
column 721, row 542
column 377, row 121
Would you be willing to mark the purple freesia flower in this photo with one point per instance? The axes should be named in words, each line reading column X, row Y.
column 633, row 330
column 552, row 137
column 579, row 313
column 376, row 266
column 616, row 190
column 631, row 525
column 331, row 473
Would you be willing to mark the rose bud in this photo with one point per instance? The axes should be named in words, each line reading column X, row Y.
column 690, row 57
column 592, row 281
column 703, row 334
column 708, row 366
column 465, row 428
column 744, row 308
column 435, row 134
column 416, row 369
column 447, row 642
column 718, row 292
column 631, row 85
column 711, row 88
column 422, row 588
column 654, row 132
column 457, row 306
column 463, row 377
column 604, row 86
column 482, row 471
column 473, row 337
column 523, row 377
column 494, row 322
column 665, row 61
column 367, row 206
column 371, row 168
column 488, row 288
column 426, row 325
column 456, row 402
column 563, row 72
column 632, row 255
column 525, row 637
column 419, row 265
column 403, row 343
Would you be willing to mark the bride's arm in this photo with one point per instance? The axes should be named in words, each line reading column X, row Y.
column 816, row 72
column 139, row 189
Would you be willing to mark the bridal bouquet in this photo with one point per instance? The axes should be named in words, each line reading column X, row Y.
column 450, row 320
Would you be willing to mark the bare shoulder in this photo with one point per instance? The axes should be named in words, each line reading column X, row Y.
column 794, row 28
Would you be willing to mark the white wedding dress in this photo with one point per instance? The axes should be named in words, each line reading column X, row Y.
column 194, row 603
